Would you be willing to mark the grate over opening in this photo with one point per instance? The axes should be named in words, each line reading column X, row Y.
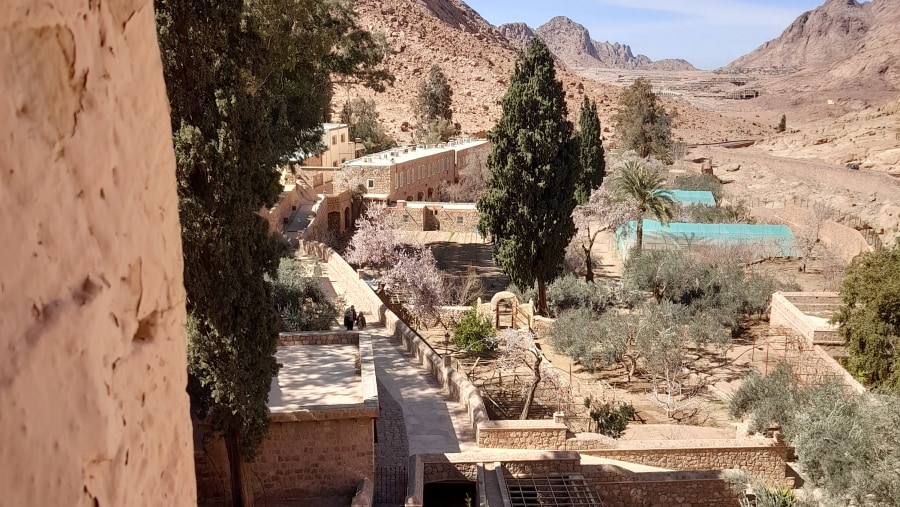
column 553, row 490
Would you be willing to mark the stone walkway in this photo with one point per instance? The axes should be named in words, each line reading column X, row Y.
column 431, row 422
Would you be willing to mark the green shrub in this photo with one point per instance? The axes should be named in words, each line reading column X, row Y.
column 574, row 333
column 706, row 182
column 701, row 214
column 300, row 301
column 570, row 292
column 612, row 421
column 475, row 332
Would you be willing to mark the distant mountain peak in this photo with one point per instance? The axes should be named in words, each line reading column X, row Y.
column 825, row 34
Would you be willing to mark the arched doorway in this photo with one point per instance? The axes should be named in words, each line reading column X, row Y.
column 504, row 306
column 334, row 221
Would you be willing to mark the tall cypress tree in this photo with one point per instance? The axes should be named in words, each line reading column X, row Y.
column 248, row 86
column 591, row 162
column 529, row 197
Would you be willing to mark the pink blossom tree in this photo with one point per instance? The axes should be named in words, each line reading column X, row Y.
column 375, row 244
column 407, row 272
column 416, row 278
column 603, row 212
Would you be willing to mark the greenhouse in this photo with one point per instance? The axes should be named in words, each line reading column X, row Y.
column 766, row 240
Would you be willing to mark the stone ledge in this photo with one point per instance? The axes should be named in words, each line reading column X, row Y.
column 327, row 413
column 318, row 338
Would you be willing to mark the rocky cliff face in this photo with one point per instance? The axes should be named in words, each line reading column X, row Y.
column 93, row 363
column 619, row 56
column 826, row 34
column 572, row 45
column 569, row 41
column 518, row 34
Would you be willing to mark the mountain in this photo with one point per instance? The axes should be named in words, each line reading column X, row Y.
column 826, row 34
column 843, row 49
column 571, row 43
column 518, row 34
column 478, row 59
column 619, row 56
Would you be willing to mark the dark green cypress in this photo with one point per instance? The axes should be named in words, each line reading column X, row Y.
column 529, row 197
column 591, row 161
column 248, row 86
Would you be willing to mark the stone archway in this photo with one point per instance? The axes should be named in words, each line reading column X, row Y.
column 334, row 221
column 503, row 297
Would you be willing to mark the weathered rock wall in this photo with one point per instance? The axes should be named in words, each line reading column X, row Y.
column 93, row 368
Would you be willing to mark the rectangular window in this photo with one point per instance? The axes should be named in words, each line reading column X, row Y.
column 459, row 220
column 343, row 138
column 405, row 219
column 333, row 140
column 334, row 163
column 370, row 183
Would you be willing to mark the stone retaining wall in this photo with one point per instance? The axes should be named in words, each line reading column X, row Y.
column 318, row 338
column 297, row 461
column 617, row 487
column 758, row 460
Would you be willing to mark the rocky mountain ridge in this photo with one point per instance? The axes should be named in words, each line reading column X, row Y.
column 478, row 59
column 823, row 35
column 572, row 44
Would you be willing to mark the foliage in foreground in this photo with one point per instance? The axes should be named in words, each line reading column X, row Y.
column 845, row 442
column 475, row 332
column 301, row 302
column 870, row 318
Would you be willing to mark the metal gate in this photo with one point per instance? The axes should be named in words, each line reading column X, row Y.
column 390, row 485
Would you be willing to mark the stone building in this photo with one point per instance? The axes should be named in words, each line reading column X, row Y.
column 320, row 447
column 415, row 173
column 434, row 216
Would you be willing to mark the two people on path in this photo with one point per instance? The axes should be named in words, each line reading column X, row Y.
column 351, row 318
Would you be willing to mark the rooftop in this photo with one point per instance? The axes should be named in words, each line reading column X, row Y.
column 315, row 376
column 405, row 154
column 332, row 126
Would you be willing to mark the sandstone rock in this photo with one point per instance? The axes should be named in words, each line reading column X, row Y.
column 731, row 167
column 93, row 409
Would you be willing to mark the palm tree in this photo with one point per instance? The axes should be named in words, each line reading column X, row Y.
column 645, row 186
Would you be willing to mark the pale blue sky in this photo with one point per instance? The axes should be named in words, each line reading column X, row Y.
column 707, row 33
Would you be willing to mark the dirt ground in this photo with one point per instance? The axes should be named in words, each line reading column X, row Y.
column 713, row 375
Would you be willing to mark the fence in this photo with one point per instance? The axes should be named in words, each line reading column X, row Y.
column 390, row 485
column 849, row 219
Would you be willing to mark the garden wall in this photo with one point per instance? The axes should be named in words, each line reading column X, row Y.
column 758, row 457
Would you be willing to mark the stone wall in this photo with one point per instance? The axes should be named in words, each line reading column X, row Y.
column 93, row 409
column 276, row 216
column 432, row 217
column 760, row 460
column 319, row 338
column 328, row 204
column 321, row 454
column 298, row 461
column 788, row 311
column 617, row 487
